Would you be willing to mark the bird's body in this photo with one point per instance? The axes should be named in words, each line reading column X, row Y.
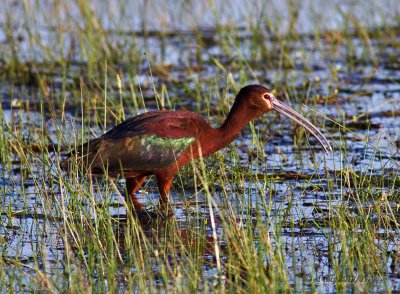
column 161, row 142
column 139, row 146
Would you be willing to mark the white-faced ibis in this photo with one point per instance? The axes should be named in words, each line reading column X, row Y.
column 161, row 142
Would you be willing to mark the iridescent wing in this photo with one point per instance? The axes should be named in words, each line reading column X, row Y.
column 141, row 152
column 145, row 142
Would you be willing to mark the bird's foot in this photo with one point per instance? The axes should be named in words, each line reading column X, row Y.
column 145, row 214
column 159, row 212
column 140, row 212
column 164, row 210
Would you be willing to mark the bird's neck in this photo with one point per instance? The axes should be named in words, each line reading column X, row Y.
column 238, row 117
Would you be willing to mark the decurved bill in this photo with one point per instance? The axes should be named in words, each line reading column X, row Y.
column 301, row 120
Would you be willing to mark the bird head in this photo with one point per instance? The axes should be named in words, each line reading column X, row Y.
column 261, row 100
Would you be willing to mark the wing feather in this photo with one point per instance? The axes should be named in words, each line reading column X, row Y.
column 145, row 142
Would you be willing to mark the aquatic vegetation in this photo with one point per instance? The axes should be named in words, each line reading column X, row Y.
column 270, row 212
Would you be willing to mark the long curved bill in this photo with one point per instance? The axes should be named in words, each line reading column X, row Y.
column 301, row 120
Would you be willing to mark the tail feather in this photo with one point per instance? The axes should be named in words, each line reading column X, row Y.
column 81, row 156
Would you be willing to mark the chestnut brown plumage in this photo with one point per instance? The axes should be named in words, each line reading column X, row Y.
column 161, row 142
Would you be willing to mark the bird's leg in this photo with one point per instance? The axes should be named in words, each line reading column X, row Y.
column 164, row 185
column 132, row 185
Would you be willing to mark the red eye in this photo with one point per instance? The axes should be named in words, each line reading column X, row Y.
column 267, row 97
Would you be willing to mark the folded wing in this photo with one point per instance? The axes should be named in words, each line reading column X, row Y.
column 145, row 142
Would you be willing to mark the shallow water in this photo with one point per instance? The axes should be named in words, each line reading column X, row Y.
column 370, row 93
